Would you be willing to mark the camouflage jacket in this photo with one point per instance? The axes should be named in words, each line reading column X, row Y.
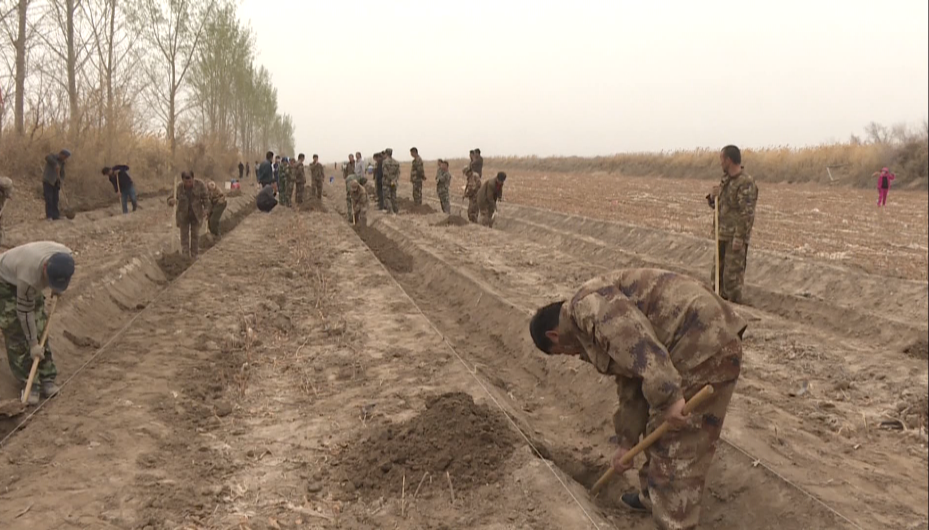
column 417, row 173
column 284, row 172
column 216, row 197
column 299, row 173
column 737, row 198
column 197, row 203
column 473, row 185
column 657, row 332
column 392, row 171
column 358, row 195
column 443, row 180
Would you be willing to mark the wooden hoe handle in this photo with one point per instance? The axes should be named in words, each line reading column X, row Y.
column 694, row 402
column 35, row 362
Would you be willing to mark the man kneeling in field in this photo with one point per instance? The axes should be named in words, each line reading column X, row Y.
column 663, row 336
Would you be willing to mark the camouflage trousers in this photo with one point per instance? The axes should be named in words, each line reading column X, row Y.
column 674, row 475
column 17, row 345
column 284, row 190
column 472, row 209
column 361, row 217
column 318, row 187
column 417, row 192
column 731, row 271
column 215, row 216
column 443, row 199
column 190, row 237
column 390, row 197
column 300, row 191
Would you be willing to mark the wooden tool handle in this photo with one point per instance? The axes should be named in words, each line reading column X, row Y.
column 35, row 362
column 694, row 402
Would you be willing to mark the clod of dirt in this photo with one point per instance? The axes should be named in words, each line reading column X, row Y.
column 386, row 250
column 81, row 341
column 174, row 264
column 918, row 349
column 452, row 220
column 418, row 209
column 469, row 441
column 223, row 408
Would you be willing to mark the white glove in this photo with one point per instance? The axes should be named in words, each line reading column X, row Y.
column 37, row 352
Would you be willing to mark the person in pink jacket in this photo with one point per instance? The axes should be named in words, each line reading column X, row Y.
column 884, row 178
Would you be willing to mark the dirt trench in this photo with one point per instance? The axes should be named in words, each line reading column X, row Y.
column 466, row 302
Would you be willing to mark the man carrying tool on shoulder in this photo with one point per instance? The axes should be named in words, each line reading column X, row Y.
column 25, row 272
column 663, row 336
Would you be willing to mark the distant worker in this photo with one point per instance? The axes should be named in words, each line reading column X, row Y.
column 349, row 168
column 193, row 202
column 884, row 178
column 443, row 181
column 318, row 176
column 391, row 179
column 25, row 272
column 265, row 200
column 477, row 164
column 359, row 165
column 284, row 183
column 122, row 184
column 379, row 179
column 738, row 195
column 265, row 171
column 6, row 193
column 472, row 188
column 663, row 337
column 216, row 209
column 417, row 176
column 248, row 170
column 491, row 192
column 300, row 178
column 241, row 170
column 52, row 178
column 359, row 198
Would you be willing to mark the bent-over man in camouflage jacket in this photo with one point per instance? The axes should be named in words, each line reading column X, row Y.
column 737, row 195
column 663, row 336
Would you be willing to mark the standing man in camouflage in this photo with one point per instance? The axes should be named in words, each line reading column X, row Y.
column 285, row 187
column 193, row 202
column 417, row 176
column 471, row 190
column 737, row 195
column 488, row 195
column 391, row 179
column 318, row 175
column 25, row 272
column 300, row 178
column 663, row 337
column 379, row 179
column 443, row 181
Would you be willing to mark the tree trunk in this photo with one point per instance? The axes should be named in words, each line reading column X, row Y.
column 20, row 45
column 72, row 72
column 110, row 104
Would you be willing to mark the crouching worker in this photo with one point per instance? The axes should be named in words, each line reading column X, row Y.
column 265, row 200
column 663, row 336
column 359, row 198
column 217, row 207
column 25, row 272
column 193, row 201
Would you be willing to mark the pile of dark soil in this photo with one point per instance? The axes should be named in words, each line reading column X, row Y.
column 174, row 264
column 311, row 204
column 452, row 220
column 409, row 206
column 386, row 250
column 469, row 441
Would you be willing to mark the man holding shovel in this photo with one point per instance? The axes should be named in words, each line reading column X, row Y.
column 193, row 203
column 25, row 272
column 663, row 336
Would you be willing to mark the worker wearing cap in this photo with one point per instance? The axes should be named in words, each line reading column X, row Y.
column 25, row 272
column 491, row 191
column 6, row 193
column 51, row 182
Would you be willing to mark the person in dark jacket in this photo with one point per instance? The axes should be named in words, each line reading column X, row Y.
column 51, row 182
column 241, row 170
column 122, row 184
column 265, row 171
column 265, row 200
column 379, row 179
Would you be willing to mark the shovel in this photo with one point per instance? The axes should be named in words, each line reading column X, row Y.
column 694, row 402
column 12, row 407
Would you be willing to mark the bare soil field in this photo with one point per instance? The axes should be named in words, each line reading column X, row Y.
column 302, row 374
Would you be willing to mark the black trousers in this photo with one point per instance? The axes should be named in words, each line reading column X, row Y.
column 51, row 200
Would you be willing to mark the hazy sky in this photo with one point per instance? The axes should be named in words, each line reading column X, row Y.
column 587, row 78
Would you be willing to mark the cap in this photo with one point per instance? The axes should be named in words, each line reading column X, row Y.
column 59, row 268
column 65, row 152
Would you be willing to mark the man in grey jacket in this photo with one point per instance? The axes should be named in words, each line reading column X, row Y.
column 51, row 182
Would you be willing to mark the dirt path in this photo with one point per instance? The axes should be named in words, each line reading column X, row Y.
column 803, row 438
column 240, row 396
